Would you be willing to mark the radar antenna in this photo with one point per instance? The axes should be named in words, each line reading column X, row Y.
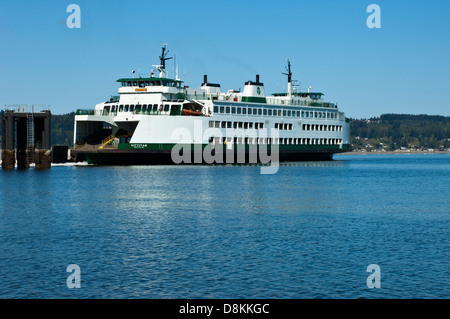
column 288, row 69
column 289, row 74
column 163, row 57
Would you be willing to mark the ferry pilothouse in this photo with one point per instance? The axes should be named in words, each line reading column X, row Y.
column 158, row 120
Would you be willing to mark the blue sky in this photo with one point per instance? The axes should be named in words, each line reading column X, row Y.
column 403, row 67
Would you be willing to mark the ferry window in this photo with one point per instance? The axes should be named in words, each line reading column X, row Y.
column 255, row 111
column 240, row 125
column 211, row 123
column 284, row 112
column 120, row 108
column 223, row 124
column 155, row 107
column 166, row 107
column 222, row 109
column 276, row 125
column 216, row 109
column 124, row 83
column 250, row 125
column 233, row 110
column 157, row 83
column 288, row 113
column 256, row 126
column 238, row 110
column 290, row 126
column 259, row 111
column 126, row 108
column 269, row 112
column 235, row 124
column 129, row 83
column 227, row 109
column 144, row 107
column 244, row 110
column 264, row 111
column 298, row 113
column 228, row 124
column 147, row 83
column 245, row 125
column 141, row 84
column 131, row 107
column 134, row 83
column 261, row 125
column 217, row 124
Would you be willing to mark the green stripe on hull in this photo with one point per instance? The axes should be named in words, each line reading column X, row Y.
column 281, row 147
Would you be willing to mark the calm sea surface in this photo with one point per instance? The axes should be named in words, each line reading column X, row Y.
column 309, row 231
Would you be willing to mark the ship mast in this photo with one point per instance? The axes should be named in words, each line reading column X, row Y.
column 163, row 58
column 289, row 74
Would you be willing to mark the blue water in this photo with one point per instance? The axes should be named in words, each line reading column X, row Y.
column 309, row 231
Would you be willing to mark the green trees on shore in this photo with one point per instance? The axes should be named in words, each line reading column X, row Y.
column 394, row 131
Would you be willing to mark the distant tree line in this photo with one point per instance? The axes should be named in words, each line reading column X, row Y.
column 390, row 131
column 402, row 130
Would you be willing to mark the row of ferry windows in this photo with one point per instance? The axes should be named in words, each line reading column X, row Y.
column 143, row 107
column 151, row 83
column 228, row 124
column 288, row 141
column 278, row 126
column 317, row 127
column 273, row 112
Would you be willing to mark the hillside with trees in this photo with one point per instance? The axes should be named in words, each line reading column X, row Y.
column 396, row 131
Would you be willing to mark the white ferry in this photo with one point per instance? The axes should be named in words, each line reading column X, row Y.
column 159, row 120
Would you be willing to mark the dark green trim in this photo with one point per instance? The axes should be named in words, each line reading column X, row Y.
column 281, row 147
column 253, row 99
column 298, row 94
column 147, row 79
column 85, row 112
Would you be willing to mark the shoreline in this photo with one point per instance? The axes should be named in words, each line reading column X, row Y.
column 395, row 153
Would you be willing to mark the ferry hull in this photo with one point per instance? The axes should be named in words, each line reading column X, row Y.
column 164, row 157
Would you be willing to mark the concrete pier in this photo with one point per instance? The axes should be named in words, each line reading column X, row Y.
column 26, row 134
column 43, row 159
column 8, row 159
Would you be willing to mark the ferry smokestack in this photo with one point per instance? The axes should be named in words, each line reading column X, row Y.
column 257, row 78
column 205, row 79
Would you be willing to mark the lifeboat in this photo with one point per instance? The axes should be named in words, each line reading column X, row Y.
column 191, row 112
